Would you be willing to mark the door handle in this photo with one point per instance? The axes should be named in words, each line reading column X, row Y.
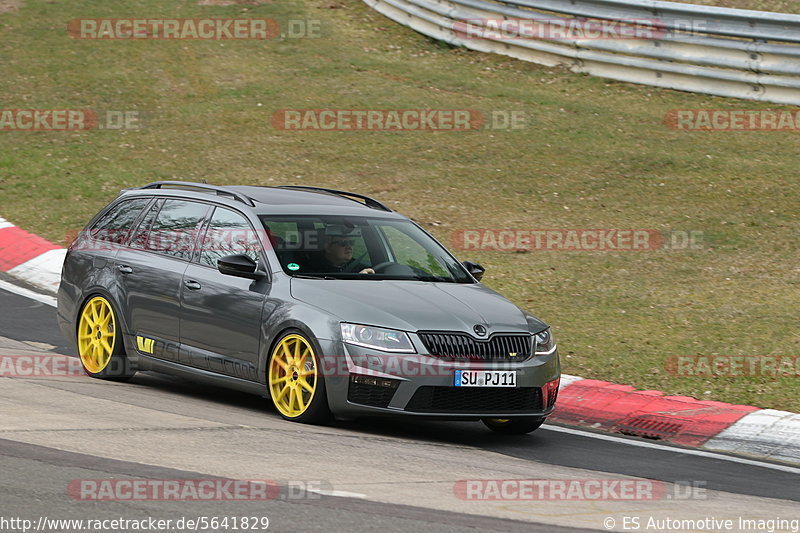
column 125, row 269
column 192, row 285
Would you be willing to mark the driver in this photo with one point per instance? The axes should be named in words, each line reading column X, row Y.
column 338, row 251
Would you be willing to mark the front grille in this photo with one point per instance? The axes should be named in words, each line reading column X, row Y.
column 475, row 400
column 372, row 395
column 455, row 345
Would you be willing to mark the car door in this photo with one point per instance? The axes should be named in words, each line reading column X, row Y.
column 150, row 273
column 99, row 246
column 221, row 315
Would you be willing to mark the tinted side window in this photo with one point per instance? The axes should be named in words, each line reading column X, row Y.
column 174, row 231
column 408, row 251
column 228, row 233
column 115, row 225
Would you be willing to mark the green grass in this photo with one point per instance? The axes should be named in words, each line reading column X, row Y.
column 779, row 6
column 595, row 154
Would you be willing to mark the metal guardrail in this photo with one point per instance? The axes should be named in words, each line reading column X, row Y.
column 724, row 52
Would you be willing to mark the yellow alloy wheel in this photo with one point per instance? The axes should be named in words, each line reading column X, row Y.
column 96, row 334
column 293, row 375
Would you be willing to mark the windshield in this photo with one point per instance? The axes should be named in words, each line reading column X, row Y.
column 359, row 248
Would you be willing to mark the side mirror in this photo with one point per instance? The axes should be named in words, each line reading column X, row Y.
column 475, row 269
column 239, row 265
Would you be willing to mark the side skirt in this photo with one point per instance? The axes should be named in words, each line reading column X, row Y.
column 196, row 374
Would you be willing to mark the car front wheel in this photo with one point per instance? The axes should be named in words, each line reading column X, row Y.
column 100, row 345
column 296, row 384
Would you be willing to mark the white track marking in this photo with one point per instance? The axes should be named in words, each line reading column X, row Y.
column 687, row 451
column 27, row 293
column 339, row 493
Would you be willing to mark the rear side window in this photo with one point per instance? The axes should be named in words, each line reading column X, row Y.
column 174, row 231
column 228, row 233
column 115, row 225
column 141, row 233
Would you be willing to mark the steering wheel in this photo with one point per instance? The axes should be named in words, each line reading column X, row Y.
column 380, row 266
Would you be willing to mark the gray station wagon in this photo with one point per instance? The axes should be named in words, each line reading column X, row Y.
column 326, row 302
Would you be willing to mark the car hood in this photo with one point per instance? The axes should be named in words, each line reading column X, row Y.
column 415, row 305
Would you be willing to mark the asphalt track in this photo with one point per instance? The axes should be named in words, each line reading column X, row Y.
column 376, row 474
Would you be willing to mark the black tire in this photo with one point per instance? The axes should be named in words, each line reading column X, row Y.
column 513, row 426
column 317, row 411
column 119, row 367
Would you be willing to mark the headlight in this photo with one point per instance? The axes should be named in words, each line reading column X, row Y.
column 387, row 340
column 544, row 343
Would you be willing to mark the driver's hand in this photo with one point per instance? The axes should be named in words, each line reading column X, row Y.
column 367, row 271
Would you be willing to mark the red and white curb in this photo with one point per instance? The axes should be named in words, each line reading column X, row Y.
column 29, row 257
column 710, row 425
column 599, row 405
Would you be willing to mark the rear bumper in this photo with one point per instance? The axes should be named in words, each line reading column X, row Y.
column 66, row 312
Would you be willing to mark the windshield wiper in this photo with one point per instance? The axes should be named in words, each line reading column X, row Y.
column 442, row 279
column 309, row 276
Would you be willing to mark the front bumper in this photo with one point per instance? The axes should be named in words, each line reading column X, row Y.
column 423, row 385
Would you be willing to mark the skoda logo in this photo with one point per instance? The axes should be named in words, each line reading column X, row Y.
column 479, row 330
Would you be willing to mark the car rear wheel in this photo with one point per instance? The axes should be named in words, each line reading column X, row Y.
column 296, row 384
column 513, row 426
column 100, row 345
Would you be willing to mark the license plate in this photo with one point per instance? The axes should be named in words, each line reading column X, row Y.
column 485, row 378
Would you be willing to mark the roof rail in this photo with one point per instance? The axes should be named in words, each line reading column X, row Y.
column 369, row 202
column 189, row 185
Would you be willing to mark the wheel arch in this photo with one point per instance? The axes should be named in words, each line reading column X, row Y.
column 276, row 334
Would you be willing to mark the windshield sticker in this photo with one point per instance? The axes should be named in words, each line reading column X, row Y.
column 293, row 266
